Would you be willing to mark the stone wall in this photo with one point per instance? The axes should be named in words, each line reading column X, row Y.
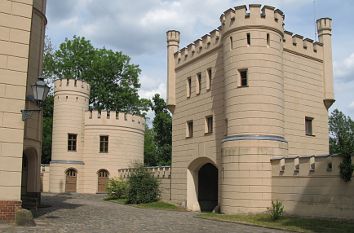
column 311, row 186
column 163, row 174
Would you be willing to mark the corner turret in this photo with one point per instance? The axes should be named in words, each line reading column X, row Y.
column 173, row 38
column 324, row 29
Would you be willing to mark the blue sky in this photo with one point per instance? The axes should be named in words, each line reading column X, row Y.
column 137, row 28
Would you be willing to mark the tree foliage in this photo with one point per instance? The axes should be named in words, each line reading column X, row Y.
column 114, row 80
column 150, row 156
column 47, row 129
column 341, row 129
column 162, row 130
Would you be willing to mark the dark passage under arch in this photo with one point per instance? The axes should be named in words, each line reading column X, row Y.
column 208, row 187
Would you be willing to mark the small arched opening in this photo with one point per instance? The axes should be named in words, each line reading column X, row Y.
column 71, row 180
column 103, row 176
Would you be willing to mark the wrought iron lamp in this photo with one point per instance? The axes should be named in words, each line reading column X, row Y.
column 40, row 91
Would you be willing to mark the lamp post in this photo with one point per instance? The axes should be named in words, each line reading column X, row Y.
column 40, row 91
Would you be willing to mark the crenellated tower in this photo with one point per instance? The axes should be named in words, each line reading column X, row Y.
column 254, row 104
column 71, row 100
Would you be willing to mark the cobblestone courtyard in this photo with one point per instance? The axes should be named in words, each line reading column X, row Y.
column 89, row 213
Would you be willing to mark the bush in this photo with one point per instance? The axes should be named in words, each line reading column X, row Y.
column 346, row 169
column 277, row 210
column 143, row 186
column 117, row 188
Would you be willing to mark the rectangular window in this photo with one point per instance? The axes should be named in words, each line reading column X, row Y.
column 231, row 43
column 308, row 126
column 189, row 87
column 248, row 39
column 243, row 78
column 198, row 84
column 72, row 138
column 104, row 144
column 208, row 124
column 189, row 129
column 208, row 79
column 226, row 126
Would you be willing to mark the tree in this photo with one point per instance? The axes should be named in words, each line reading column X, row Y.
column 47, row 129
column 114, row 80
column 162, row 125
column 341, row 129
column 150, row 156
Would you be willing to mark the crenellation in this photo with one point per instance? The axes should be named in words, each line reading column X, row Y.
column 71, row 85
column 310, row 165
column 106, row 118
column 200, row 46
column 302, row 46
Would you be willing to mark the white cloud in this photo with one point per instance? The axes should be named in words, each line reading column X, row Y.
column 351, row 105
column 138, row 28
column 344, row 70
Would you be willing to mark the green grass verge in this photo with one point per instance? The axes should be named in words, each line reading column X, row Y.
column 152, row 205
column 286, row 223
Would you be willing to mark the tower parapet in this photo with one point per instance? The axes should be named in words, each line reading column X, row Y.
column 255, row 15
column 72, row 85
column 114, row 119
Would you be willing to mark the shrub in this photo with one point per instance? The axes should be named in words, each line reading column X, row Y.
column 117, row 188
column 143, row 186
column 277, row 210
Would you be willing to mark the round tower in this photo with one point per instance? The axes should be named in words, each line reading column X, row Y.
column 254, row 105
column 71, row 99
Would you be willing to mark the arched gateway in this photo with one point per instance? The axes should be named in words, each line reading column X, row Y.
column 202, row 185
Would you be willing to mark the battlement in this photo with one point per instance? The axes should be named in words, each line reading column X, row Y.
column 114, row 119
column 201, row 46
column 71, row 85
column 163, row 172
column 254, row 15
column 302, row 46
column 315, row 165
column 242, row 18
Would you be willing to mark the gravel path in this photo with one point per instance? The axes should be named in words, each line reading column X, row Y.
column 78, row 213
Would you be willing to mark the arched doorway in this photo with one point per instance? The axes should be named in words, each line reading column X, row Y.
column 208, row 187
column 102, row 180
column 71, row 180
column 202, row 185
column 24, row 176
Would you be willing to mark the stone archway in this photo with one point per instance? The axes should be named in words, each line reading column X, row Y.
column 70, row 180
column 103, row 176
column 30, row 179
column 202, row 185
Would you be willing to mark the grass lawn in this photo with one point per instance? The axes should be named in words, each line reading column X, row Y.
column 286, row 223
column 153, row 205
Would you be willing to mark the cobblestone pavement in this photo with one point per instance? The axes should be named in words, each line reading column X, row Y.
column 89, row 213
